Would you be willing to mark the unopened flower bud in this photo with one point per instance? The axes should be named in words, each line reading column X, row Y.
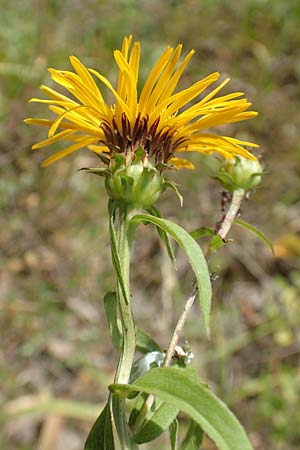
column 136, row 184
column 240, row 173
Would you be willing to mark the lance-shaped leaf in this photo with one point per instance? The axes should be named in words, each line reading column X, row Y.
column 254, row 230
column 202, row 232
column 156, row 423
column 101, row 435
column 193, row 437
column 162, row 233
column 145, row 343
column 173, row 431
column 194, row 254
column 177, row 387
column 114, row 324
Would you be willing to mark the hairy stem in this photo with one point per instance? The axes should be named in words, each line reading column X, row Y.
column 128, row 329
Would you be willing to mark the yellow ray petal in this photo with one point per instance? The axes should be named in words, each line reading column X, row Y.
column 86, row 76
column 118, row 98
column 169, row 89
column 152, row 78
column 55, row 95
column 130, row 81
column 52, row 140
column 164, row 79
column 98, row 149
column 67, row 151
column 56, row 122
column 170, row 105
column 134, row 60
column 180, row 163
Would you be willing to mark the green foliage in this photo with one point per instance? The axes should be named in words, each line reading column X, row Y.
column 193, row 438
column 194, row 254
column 101, row 435
column 173, row 430
column 111, row 310
column 145, row 343
column 180, row 389
column 157, row 420
column 255, row 231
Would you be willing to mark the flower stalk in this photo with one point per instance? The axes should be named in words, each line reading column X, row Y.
column 121, row 244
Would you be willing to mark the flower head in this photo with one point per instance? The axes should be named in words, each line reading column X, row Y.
column 159, row 120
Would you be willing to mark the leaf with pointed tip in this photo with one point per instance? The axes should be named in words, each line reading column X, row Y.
column 195, row 256
column 189, row 395
column 114, row 324
column 100, row 171
column 145, row 343
column 173, row 186
column 156, row 423
column 164, row 236
column 257, row 233
column 217, row 242
column 173, row 431
column 202, row 232
column 193, row 437
column 101, row 435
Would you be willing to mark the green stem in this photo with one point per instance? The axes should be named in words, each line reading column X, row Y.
column 123, row 242
column 128, row 328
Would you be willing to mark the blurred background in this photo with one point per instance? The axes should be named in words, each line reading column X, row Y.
column 56, row 358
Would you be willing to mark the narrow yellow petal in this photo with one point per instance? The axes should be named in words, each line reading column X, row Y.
column 134, row 60
column 52, row 140
column 215, row 91
column 86, row 76
column 169, row 89
column 55, row 95
column 152, row 78
column 164, row 79
column 57, row 121
column 42, row 122
column 98, row 148
column 118, row 98
column 170, row 105
column 180, row 163
column 130, row 81
column 62, row 103
column 67, row 151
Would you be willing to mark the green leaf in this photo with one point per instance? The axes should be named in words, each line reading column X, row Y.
column 114, row 324
column 164, row 236
column 195, row 256
column 156, row 423
column 173, row 431
column 145, row 343
column 100, row 171
column 174, row 386
column 257, row 233
column 136, row 411
column 202, row 232
column 217, row 242
column 101, row 435
column 172, row 185
column 193, row 438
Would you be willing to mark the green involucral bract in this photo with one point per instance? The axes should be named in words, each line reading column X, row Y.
column 240, row 173
column 136, row 184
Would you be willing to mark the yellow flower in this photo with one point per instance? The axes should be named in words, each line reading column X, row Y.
column 159, row 120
